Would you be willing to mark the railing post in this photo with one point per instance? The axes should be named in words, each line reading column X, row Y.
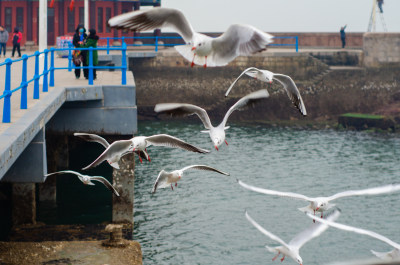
column 123, row 64
column 52, row 67
column 297, row 44
column 70, row 57
column 90, row 65
column 7, row 93
column 24, row 85
column 108, row 45
column 123, row 41
column 45, row 72
column 156, row 43
column 36, row 83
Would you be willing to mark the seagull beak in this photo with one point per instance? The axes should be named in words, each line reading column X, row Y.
column 317, row 208
column 133, row 150
column 216, row 147
column 193, row 48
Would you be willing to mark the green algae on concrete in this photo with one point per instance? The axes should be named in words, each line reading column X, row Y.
column 361, row 121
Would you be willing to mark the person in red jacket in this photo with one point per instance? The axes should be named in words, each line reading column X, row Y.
column 17, row 37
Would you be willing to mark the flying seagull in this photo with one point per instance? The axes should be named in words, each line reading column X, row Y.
column 321, row 204
column 140, row 143
column 87, row 180
column 200, row 49
column 165, row 178
column 285, row 80
column 217, row 134
column 392, row 255
column 292, row 248
column 113, row 161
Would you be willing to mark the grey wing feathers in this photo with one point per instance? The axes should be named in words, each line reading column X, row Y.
column 184, row 109
column 292, row 92
column 106, row 183
column 372, row 191
column 234, row 82
column 93, row 138
column 63, row 172
column 115, row 148
column 204, row 167
column 154, row 18
column 170, row 141
column 246, row 100
column 314, row 230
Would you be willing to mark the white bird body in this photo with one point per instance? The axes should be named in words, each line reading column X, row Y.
column 139, row 143
column 392, row 255
column 165, row 178
column 286, row 81
column 200, row 49
column 217, row 134
column 292, row 248
column 321, row 204
column 87, row 180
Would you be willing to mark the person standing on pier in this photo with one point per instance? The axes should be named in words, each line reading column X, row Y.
column 91, row 41
column 17, row 37
column 3, row 40
column 343, row 36
column 80, row 56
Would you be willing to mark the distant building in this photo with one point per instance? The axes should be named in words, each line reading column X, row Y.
column 61, row 21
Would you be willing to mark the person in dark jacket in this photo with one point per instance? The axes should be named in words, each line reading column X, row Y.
column 3, row 40
column 343, row 36
column 91, row 41
column 17, row 37
column 78, row 40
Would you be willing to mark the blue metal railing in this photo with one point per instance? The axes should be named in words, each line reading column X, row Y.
column 50, row 71
column 157, row 38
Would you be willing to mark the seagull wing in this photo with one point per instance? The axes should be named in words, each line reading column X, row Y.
column 204, row 167
column 158, row 17
column 372, row 191
column 64, row 172
column 116, row 148
column 93, row 138
column 277, row 193
column 292, row 92
column 160, row 181
column 170, row 141
column 238, row 40
column 234, row 82
column 265, row 232
column 184, row 109
column 355, row 230
column 245, row 101
column 313, row 231
column 106, row 183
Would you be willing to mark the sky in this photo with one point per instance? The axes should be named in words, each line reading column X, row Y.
column 286, row 15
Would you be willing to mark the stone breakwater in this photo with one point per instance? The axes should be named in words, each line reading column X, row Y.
column 327, row 91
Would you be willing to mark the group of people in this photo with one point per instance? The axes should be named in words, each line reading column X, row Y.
column 82, row 40
column 16, row 40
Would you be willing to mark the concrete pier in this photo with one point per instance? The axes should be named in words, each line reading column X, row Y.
column 24, row 203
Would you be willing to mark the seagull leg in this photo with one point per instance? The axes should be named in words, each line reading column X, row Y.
column 314, row 219
column 226, row 142
column 322, row 214
column 205, row 65
column 283, row 258
column 277, row 255
column 172, row 188
column 176, row 184
column 140, row 159
column 192, row 64
column 145, row 150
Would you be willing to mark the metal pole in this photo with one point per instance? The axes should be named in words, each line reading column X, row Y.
column 36, row 83
column 123, row 64
column 24, row 92
column 86, row 11
column 108, row 45
column 297, row 43
column 90, row 65
column 51, row 67
column 45, row 72
column 7, row 93
column 70, row 57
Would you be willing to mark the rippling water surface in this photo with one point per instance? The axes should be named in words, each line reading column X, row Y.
column 202, row 221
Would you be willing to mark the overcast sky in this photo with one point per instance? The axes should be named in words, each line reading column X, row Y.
column 286, row 15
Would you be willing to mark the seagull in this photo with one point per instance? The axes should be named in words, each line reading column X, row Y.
column 285, row 80
column 321, row 204
column 200, row 49
column 165, row 178
column 87, row 180
column 292, row 248
column 391, row 255
column 113, row 161
column 217, row 134
column 140, row 143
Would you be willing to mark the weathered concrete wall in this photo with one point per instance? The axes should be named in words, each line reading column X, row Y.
column 381, row 49
column 326, row 93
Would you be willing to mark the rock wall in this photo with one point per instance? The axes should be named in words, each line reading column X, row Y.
column 381, row 49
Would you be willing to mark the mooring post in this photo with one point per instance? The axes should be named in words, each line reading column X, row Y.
column 123, row 180
column 24, row 203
